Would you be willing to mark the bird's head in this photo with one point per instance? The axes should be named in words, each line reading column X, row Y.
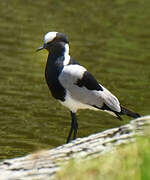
column 52, row 39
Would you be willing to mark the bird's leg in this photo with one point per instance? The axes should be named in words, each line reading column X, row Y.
column 70, row 133
column 74, row 127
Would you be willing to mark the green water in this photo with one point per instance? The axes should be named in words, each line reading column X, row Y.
column 110, row 38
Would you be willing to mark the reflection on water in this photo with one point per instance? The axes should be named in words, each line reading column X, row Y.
column 110, row 38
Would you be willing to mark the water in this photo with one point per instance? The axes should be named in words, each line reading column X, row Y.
column 110, row 38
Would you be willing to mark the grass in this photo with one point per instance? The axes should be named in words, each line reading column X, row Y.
column 131, row 161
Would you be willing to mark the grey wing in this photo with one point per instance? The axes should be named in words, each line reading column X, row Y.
column 86, row 89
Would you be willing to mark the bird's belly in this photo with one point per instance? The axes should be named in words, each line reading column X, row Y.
column 74, row 104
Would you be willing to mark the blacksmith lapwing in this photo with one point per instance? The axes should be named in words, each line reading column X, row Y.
column 73, row 86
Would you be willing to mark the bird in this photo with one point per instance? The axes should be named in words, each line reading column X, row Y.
column 73, row 85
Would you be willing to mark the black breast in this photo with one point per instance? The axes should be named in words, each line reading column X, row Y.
column 52, row 71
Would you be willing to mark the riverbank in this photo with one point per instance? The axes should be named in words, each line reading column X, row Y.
column 45, row 164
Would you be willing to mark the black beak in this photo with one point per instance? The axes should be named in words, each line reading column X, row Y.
column 40, row 48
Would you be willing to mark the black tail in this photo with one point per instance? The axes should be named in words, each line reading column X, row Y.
column 127, row 112
column 124, row 111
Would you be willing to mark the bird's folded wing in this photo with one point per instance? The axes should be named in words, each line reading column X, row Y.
column 83, row 87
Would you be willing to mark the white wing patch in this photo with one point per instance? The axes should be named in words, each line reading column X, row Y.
column 81, row 97
column 71, row 73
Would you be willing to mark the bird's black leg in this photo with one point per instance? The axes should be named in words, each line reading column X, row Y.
column 74, row 127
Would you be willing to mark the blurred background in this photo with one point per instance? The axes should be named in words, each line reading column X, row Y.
column 110, row 38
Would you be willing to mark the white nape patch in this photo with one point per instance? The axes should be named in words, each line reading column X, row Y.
column 66, row 55
column 74, row 105
column 49, row 37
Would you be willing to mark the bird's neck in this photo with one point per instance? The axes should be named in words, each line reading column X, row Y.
column 60, row 52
